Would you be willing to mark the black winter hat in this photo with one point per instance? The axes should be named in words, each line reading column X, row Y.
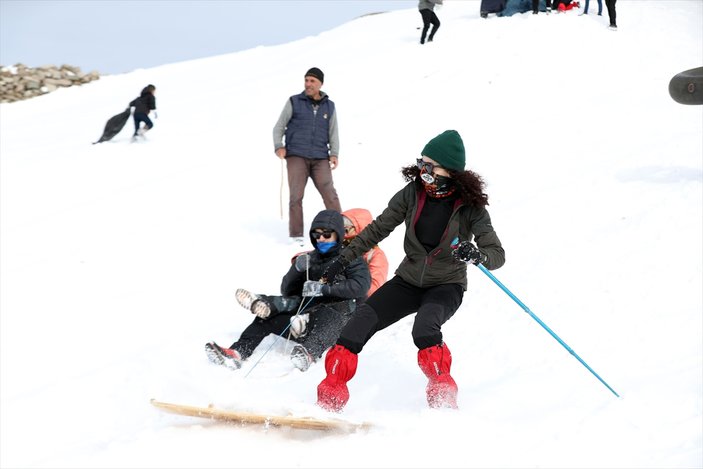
column 317, row 73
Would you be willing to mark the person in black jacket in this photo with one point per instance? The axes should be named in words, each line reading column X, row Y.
column 327, row 307
column 443, row 209
column 143, row 105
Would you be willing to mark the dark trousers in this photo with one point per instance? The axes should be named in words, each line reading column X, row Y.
column 140, row 117
column 600, row 7
column 397, row 299
column 610, row 5
column 326, row 322
column 428, row 18
column 299, row 170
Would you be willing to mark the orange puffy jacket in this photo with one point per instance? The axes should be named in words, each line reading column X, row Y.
column 375, row 258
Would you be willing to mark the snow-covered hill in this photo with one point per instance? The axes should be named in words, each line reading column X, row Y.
column 119, row 260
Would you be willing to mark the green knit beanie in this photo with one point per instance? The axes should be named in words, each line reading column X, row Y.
column 447, row 149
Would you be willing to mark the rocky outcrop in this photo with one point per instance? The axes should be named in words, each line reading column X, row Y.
column 18, row 82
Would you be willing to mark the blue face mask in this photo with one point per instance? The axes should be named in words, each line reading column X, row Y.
column 325, row 247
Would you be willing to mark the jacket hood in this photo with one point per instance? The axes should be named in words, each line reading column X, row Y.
column 360, row 218
column 331, row 220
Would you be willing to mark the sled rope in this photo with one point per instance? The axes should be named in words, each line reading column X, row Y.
column 302, row 307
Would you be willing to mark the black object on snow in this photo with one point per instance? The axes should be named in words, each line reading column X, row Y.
column 114, row 126
column 687, row 87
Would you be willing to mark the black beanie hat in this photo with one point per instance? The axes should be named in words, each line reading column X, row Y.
column 317, row 73
column 447, row 149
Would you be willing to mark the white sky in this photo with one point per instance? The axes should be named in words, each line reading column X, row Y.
column 119, row 261
column 117, row 36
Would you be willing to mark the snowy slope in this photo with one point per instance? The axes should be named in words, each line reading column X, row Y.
column 119, row 261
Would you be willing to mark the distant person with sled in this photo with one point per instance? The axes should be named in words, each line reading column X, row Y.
column 308, row 122
column 429, row 17
column 443, row 207
column 327, row 306
column 143, row 105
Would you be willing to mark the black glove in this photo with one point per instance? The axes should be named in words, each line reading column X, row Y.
column 302, row 262
column 467, row 252
column 335, row 268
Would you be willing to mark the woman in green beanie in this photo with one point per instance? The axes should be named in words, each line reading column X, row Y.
column 443, row 207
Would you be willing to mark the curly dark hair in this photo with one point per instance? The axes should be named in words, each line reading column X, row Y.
column 471, row 185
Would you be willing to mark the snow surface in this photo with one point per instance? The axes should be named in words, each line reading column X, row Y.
column 120, row 260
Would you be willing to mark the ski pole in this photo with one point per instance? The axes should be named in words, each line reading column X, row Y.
column 546, row 328
column 279, row 335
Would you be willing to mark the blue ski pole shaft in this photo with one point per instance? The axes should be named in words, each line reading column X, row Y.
column 546, row 328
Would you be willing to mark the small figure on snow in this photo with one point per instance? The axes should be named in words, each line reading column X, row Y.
column 610, row 5
column 143, row 105
column 429, row 17
column 314, row 312
column 443, row 207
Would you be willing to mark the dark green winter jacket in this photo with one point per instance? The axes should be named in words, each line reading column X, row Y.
column 419, row 267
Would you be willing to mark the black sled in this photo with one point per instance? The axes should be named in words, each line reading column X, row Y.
column 687, row 87
column 114, row 125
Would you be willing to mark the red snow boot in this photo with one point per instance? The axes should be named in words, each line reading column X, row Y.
column 332, row 392
column 436, row 362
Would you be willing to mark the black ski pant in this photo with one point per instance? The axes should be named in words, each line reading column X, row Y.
column 140, row 117
column 326, row 322
column 428, row 17
column 397, row 299
column 610, row 5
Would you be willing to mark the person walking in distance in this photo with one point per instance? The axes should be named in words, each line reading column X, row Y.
column 143, row 105
column 443, row 207
column 429, row 17
column 610, row 5
column 311, row 149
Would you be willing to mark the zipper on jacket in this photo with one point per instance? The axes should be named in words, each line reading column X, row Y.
column 428, row 262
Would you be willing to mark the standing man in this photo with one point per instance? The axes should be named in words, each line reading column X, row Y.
column 311, row 149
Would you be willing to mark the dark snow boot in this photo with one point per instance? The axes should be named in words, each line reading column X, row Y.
column 332, row 392
column 436, row 363
column 227, row 357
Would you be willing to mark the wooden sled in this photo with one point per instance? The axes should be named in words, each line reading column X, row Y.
column 307, row 423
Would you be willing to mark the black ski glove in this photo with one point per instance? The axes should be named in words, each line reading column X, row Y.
column 335, row 268
column 467, row 252
column 302, row 262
